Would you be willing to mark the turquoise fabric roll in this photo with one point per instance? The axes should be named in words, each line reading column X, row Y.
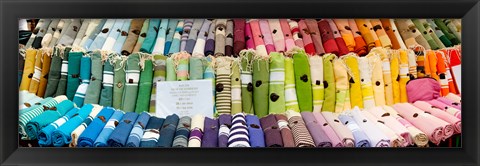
column 62, row 136
column 93, row 91
column 149, row 41
column 47, row 117
column 85, row 70
column 175, row 47
column 172, row 24
column 73, row 79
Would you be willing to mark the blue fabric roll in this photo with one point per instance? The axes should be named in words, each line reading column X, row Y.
column 88, row 137
column 225, row 121
column 48, row 116
column 152, row 132
column 172, row 24
column 255, row 131
column 62, row 136
column 102, row 138
column 85, row 70
column 210, row 134
column 102, row 36
column 117, row 47
column 95, row 32
column 45, row 135
column 168, row 131
column 119, row 136
column 175, row 46
column 149, row 42
column 361, row 139
column 183, row 132
column 137, row 132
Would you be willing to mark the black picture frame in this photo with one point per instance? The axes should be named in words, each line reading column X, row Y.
column 12, row 10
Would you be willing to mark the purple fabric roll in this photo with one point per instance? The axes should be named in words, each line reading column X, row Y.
column 319, row 136
column 210, row 135
column 225, row 122
column 255, row 131
column 210, row 43
column 273, row 137
column 239, row 36
column 186, row 31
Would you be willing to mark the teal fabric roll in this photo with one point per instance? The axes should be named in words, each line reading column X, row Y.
column 93, row 91
column 303, row 81
column 132, row 75
column 85, row 71
column 175, row 47
column 159, row 46
column 149, row 41
column 119, row 81
column 196, row 68
column 48, row 116
column 172, row 24
column 144, row 84
column 106, row 95
column 62, row 84
column 54, row 74
column 27, row 114
column 73, row 79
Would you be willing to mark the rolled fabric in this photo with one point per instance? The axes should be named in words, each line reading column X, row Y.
column 82, row 32
column 45, row 135
column 300, row 132
column 430, row 109
column 303, row 81
column 316, row 70
column 316, row 36
column 277, row 84
column 88, row 137
column 343, row 133
column 137, row 131
column 40, row 33
column 73, row 81
column 122, row 37
column 431, row 59
column 238, row 36
column 152, row 132
column 225, row 122
column 249, row 43
column 392, row 33
column 187, row 26
column 62, row 136
column 53, row 74
column 329, row 132
column 375, row 135
column 199, row 49
column 29, row 69
column 448, row 128
column 142, row 36
column 223, row 85
column 35, row 31
column 255, row 132
column 345, row 33
column 106, row 94
column 364, row 27
column 455, row 103
column 394, row 56
column 246, row 58
column 182, row 132
column 444, row 107
column 454, row 98
column 144, row 85
column 361, row 139
column 92, row 96
column 151, row 36
column 85, row 70
column 169, row 32
column 101, row 140
column 375, row 61
column 159, row 74
column 316, row 131
column 181, row 60
column 448, row 33
column 132, row 76
column 360, row 46
column 328, row 38
column 261, row 81
column 366, row 75
column 307, row 38
column 342, row 96
column 209, row 74
column 119, row 136
column 37, row 73
column 210, row 41
column 430, row 32
column 391, row 122
column 381, row 34
column 69, row 33
column 443, row 38
column 404, row 76
column 286, row 133
column 291, row 102
column 170, row 69
column 418, row 137
column 277, row 34
column 238, row 136
column 196, row 67
column 113, row 35
column 62, row 84
column 196, row 134
column 229, row 39
column 386, row 77
column 417, row 66
column 342, row 46
column 42, row 85
column 220, row 36
column 92, row 31
column 119, row 81
column 49, row 115
column 175, row 47
column 50, row 30
column 295, row 33
column 167, row 133
column 210, row 136
column 29, row 113
column 410, row 34
column 236, row 90
column 86, row 122
column 271, row 130
column 193, row 35
column 100, row 39
column 433, row 45
column 267, row 36
column 395, row 140
column 260, row 48
column 442, row 69
column 329, row 83
column 289, row 42
column 24, row 97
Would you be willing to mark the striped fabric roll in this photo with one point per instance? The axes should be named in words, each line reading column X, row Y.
column 291, row 102
column 37, row 72
column 79, row 130
column 113, row 35
column 187, row 26
column 316, row 70
column 366, row 76
column 238, row 136
column 395, row 140
column 299, row 130
column 289, row 42
column 159, row 74
column 220, row 28
column 418, row 137
column 267, row 36
column 119, row 81
column 249, row 43
column 276, row 100
column 403, row 61
column 92, row 31
column 342, row 98
column 225, row 122
column 277, row 34
column 199, row 49
column 62, row 136
column 360, row 45
column 342, row 46
column 182, row 60
column 167, row 131
column 193, row 35
column 69, row 33
column 102, row 138
column 182, row 133
column 40, row 33
column 287, row 136
column 271, row 130
column 376, row 136
column 343, row 133
column 48, row 116
column 361, row 139
column 103, row 33
column 422, row 66
column 391, row 122
column 387, row 75
column 236, row 91
column 380, row 31
column 246, row 57
column 35, row 31
column 45, row 135
column 175, row 47
column 90, row 134
column 210, row 41
column 196, row 134
column 329, row 82
column 229, row 38
column 319, row 136
column 170, row 31
column 92, row 96
column 152, row 132
column 307, row 39
column 85, row 70
column 42, row 85
column 122, row 37
column 106, row 95
column 209, row 74
column 295, row 33
column 378, row 84
column 36, row 110
column 137, row 131
column 147, row 34
column 159, row 47
column 336, row 142
column 223, row 85
column 346, row 33
column 260, row 48
column 62, row 84
column 132, row 76
column 119, row 136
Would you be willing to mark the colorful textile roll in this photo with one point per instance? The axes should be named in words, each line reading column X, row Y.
column 210, row 41
column 430, row 32
column 451, row 110
column 220, row 36
column 35, row 31
column 151, row 36
column 102, row 138
column 261, row 81
column 119, row 81
column 418, row 137
column 295, row 33
column 391, row 122
column 113, row 35
column 443, row 38
column 40, row 33
column 132, row 76
column 101, row 36
column 366, row 81
column 170, row 69
column 199, row 49
column 277, row 34
column 53, row 74
column 316, row 70
column 137, row 131
column 210, row 136
column 249, row 43
column 394, row 56
column 159, row 74
column 167, row 132
column 238, row 36
column 182, row 132
column 316, row 35
column 86, row 122
column 342, row 96
column 246, row 57
column 430, row 109
column 410, row 34
column 193, row 35
column 271, row 130
column 85, row 70
column 229, row 39
column 433, row 45
column 196, row 67
column 62, row 136
column 255, row 132
column 181, row 60
column 122, row 37
column 196, row 134
column 223, row 85
column 329, row 132
column 374, row 134
column 392, row 33
column 175, row 47
column 403, row 61
column 187, row 26
column 291, row 102
column 225, row 122
column 307, row 38
column 395, row 140
column 361, row 139
column 386, row 77
column 448, row 33
column 328, row 83
column 303, row 82
column 88, row 137
column 238, row 136
column 42, row 85
column 319, row 136
column 344, row 134
column 142, row 35
column 442, row 70
column 209, row 74
column 300, row 132
column 381, row 34
column 29, row 69
column 342, row 46
column 375, row 61
column 106, row 95
column 49, row 115
column 62, row 84
column 236, row 90
column 260, row 48
column 170, row 31
column 144, row 85
column 93, row 29
column 267, row 36
column 69, row 33
column 454, row 97
column 73, row 81
column 152, row 132
column 45, row 135
column 360, row 45
column 346, row 33
column 364, row 27
column 119, row 136
column 92, row 96
column 455, row 103
column 29, row 113
column 453, row 25
column 277, row 84
column 289, row 42
column 286, row 133
column 37, row 72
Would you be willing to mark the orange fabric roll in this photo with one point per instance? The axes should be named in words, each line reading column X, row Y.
column 360, row 45
column 389, row 30
column 441, row 70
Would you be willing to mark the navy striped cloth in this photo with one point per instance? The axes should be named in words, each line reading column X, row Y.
column 88, row 137
column 168, row 131
column 138, row 129
column 183, row 132
column 152, row 132
column 238, row 136
column 119, row 136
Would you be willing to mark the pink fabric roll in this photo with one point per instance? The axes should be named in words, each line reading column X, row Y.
column 260, row 48
column 287, row 33
column 295, row 33
column 450, row 103
column 336, row 142
column 267, row 36
column 249, row 36
column 277, row 34
column 316, row 36
column 342, row 46
column 391, row 122
column 427, row 107
column 442, row 106
column 341, row 130
column 307, row 39
column 454, row 97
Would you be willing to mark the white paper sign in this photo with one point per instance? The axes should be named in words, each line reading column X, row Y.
column 184, row 98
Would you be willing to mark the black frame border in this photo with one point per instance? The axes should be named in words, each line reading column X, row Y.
column 12, row 10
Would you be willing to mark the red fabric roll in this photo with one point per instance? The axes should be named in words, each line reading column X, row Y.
column 329, row 43
column 307, row 38
column 342, row 46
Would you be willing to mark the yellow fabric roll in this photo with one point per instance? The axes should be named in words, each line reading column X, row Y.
column 316, row 71
column 47, row 58
column 341, row 85
column 28, row 69
column 387, row 77
column 403, row 76
column 351, row 61
column 377, row 76
column 395, row 69
column 366, row 82
column 37, row 72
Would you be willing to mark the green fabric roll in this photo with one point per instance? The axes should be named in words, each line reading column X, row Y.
column 246, row 57
column 260, row 85
column 276, row 104
column 132, row 75
column 425, row 34
column 142, row 35
column 446, row 31
column 159, row 74
column 54, row 73
column 62, row 84
column 181, row 59
column 73, row 78
column 209, row 74
column 431, row 32
column 171, row 74
column 106, row 95
column 236, row 87
column 291, row 102
column 92, row 96
column 196, row 68
column 329, row 83
column 119, row 81
column 144, row 85
column 223, row 85
column 303, row 81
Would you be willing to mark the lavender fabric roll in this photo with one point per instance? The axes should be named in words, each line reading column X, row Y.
column 210, row 42
column 273, row 136
column 255, row 132
column 172, row 24
column 450, row 103
column 119, row 136
column 193, row 35
column 238, row 136
column 210, row 136
column 225, row 121
column 229, row 39
column 319, row 136
column 137, row 131
column 199, row 49
column 187, row 26
column 361, row 139
column 168, row 131
column 182, row 133
column 152, row 132
column 238, row 36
